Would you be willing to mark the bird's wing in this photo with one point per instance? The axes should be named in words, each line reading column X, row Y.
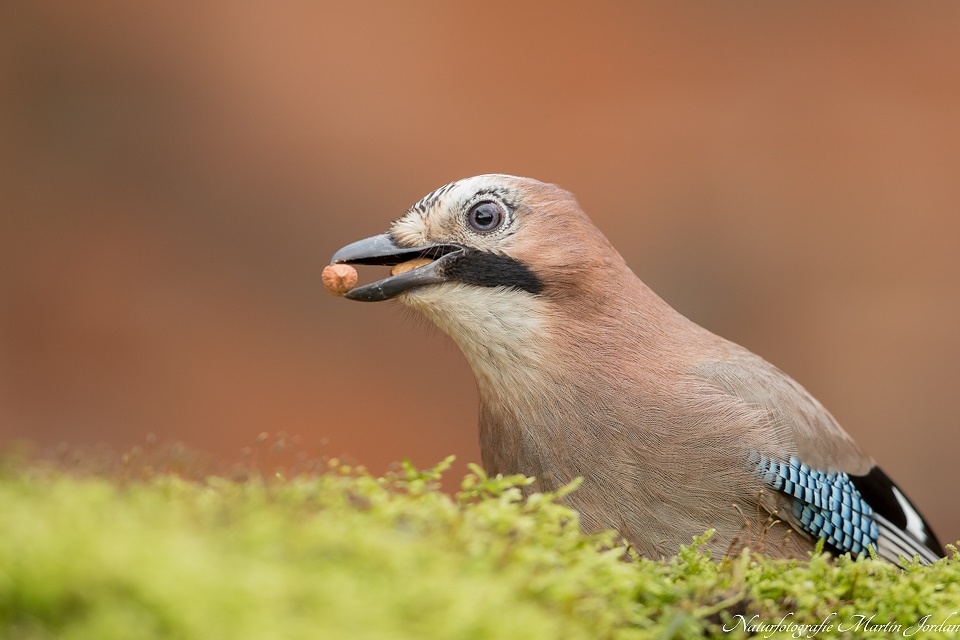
column 833, row 490
column 794, row 423
column 850, row 512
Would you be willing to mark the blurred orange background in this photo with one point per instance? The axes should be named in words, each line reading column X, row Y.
column 174, row 176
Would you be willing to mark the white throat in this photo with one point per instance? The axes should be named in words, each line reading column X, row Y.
column 499, row 330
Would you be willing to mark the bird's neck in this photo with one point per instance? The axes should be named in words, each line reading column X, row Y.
column 546, row 366
column 567, row 377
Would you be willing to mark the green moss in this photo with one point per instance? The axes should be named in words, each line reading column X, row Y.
column 348, row 555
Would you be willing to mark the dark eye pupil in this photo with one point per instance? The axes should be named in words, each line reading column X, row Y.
column 485, row 216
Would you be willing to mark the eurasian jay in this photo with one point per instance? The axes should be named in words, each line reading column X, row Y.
column 583, row 371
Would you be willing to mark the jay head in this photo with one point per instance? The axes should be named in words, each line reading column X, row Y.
column 583, row 371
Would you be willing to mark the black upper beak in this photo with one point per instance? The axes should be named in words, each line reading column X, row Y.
column 381, row 250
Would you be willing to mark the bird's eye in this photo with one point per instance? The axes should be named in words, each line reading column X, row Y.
column 485, row 216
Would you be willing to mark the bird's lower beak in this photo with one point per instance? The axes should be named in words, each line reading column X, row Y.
column 381, row 250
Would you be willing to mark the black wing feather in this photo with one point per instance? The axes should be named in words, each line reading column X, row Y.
column 902, row 528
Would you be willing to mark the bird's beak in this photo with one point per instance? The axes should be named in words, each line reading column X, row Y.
column 381, row 250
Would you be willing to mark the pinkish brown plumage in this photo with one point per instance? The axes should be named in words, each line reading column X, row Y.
column 583, row 371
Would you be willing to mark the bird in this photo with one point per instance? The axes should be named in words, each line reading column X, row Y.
column 584, row 372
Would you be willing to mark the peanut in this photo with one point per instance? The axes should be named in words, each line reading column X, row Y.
column 409, row 265
column 339, row 278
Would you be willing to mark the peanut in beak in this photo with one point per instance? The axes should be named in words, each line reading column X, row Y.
column 339, row 278
column 409, row 265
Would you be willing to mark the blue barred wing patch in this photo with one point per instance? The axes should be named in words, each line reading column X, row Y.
column 827, row 505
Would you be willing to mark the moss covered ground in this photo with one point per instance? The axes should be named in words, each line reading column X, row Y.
column 343, row 554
